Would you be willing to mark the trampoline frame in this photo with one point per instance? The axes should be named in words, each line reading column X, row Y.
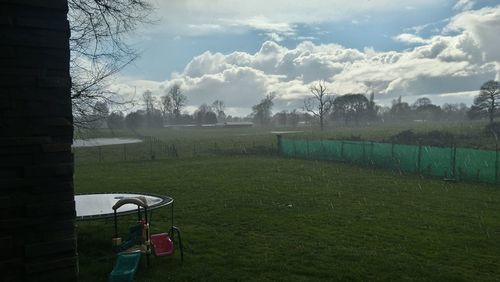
column 166, row 201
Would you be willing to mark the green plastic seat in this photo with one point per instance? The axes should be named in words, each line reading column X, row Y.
column 125, row 267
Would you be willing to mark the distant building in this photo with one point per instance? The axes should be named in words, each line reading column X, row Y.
column 238, row 124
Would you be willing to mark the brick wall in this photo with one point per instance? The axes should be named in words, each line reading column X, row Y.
column 37, row 236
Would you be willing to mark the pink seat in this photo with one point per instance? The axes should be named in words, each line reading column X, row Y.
column 162, row 245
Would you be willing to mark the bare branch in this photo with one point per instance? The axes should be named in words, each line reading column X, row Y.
column 320, row 103
column 99, row 48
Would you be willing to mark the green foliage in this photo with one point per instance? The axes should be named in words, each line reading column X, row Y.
column 486, row 103
column 116, row 120
column 261, row 112
column 135, row 120
column 351, row 107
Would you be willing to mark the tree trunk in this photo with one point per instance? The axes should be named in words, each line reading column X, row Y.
column 491, row 111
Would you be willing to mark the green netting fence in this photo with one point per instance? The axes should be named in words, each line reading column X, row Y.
column 449, row 163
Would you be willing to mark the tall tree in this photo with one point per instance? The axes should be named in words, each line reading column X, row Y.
column 293, row 118
column 178, row 101
column 351, row 107
column 205, row 115
column 261, row 112
column 154, row 118
column 99, row 49
column 149, row 101
column 453, row 112
column 400, row 110
column 281, row 118
column 219, row 107
column 166, row 107
column 116, row 120
column 373, row 108
column 487, row 101
column 135, row 120
column 425, row 110
column 421, row 102
column 320, row 103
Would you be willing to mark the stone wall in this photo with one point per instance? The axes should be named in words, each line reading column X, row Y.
column 37, row 234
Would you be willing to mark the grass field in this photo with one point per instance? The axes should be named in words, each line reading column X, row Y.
column 199, row 142
column 261, row 218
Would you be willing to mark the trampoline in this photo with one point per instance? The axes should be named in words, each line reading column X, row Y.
column 92, row 206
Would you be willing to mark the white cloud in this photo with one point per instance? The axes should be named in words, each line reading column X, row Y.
column 484, row 26
column 410, row 39
column 188, row 17
column 457, row 61
column 464, row 5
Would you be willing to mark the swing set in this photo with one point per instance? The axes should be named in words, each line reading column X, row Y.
column 140, row 240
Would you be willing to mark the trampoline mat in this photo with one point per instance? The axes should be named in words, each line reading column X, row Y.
column 99, row 205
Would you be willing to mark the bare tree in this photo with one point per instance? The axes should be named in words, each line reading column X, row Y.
column 178, row 100
column 218, row 107
column 320, row 103
column 99, row 49
column 149, row 101
column 166, row 107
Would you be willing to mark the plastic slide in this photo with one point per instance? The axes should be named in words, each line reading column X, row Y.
column 125, row 267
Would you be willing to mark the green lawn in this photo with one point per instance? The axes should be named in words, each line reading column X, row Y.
column 268, row 218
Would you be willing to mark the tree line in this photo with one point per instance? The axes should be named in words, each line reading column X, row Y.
column 357, row 108
column 320, row 108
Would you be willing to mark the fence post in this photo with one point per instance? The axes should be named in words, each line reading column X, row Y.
column 364, row 153
column 392, row 150
column 342, row 150
column 323, row 150
column 280, row 144
column 294, row 148
column 307, row 148
column 371, row 154
column 151, row 148
column 419, row 158
column 496, row 161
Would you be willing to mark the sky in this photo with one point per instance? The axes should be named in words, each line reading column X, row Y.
column 240, row 51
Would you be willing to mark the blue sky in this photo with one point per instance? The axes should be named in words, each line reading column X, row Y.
column 192, row 31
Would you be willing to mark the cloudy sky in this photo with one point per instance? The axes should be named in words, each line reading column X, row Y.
column 238, row 51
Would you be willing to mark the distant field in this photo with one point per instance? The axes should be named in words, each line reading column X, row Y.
column 181, row 143
column 268, row 218
column 195, row 142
